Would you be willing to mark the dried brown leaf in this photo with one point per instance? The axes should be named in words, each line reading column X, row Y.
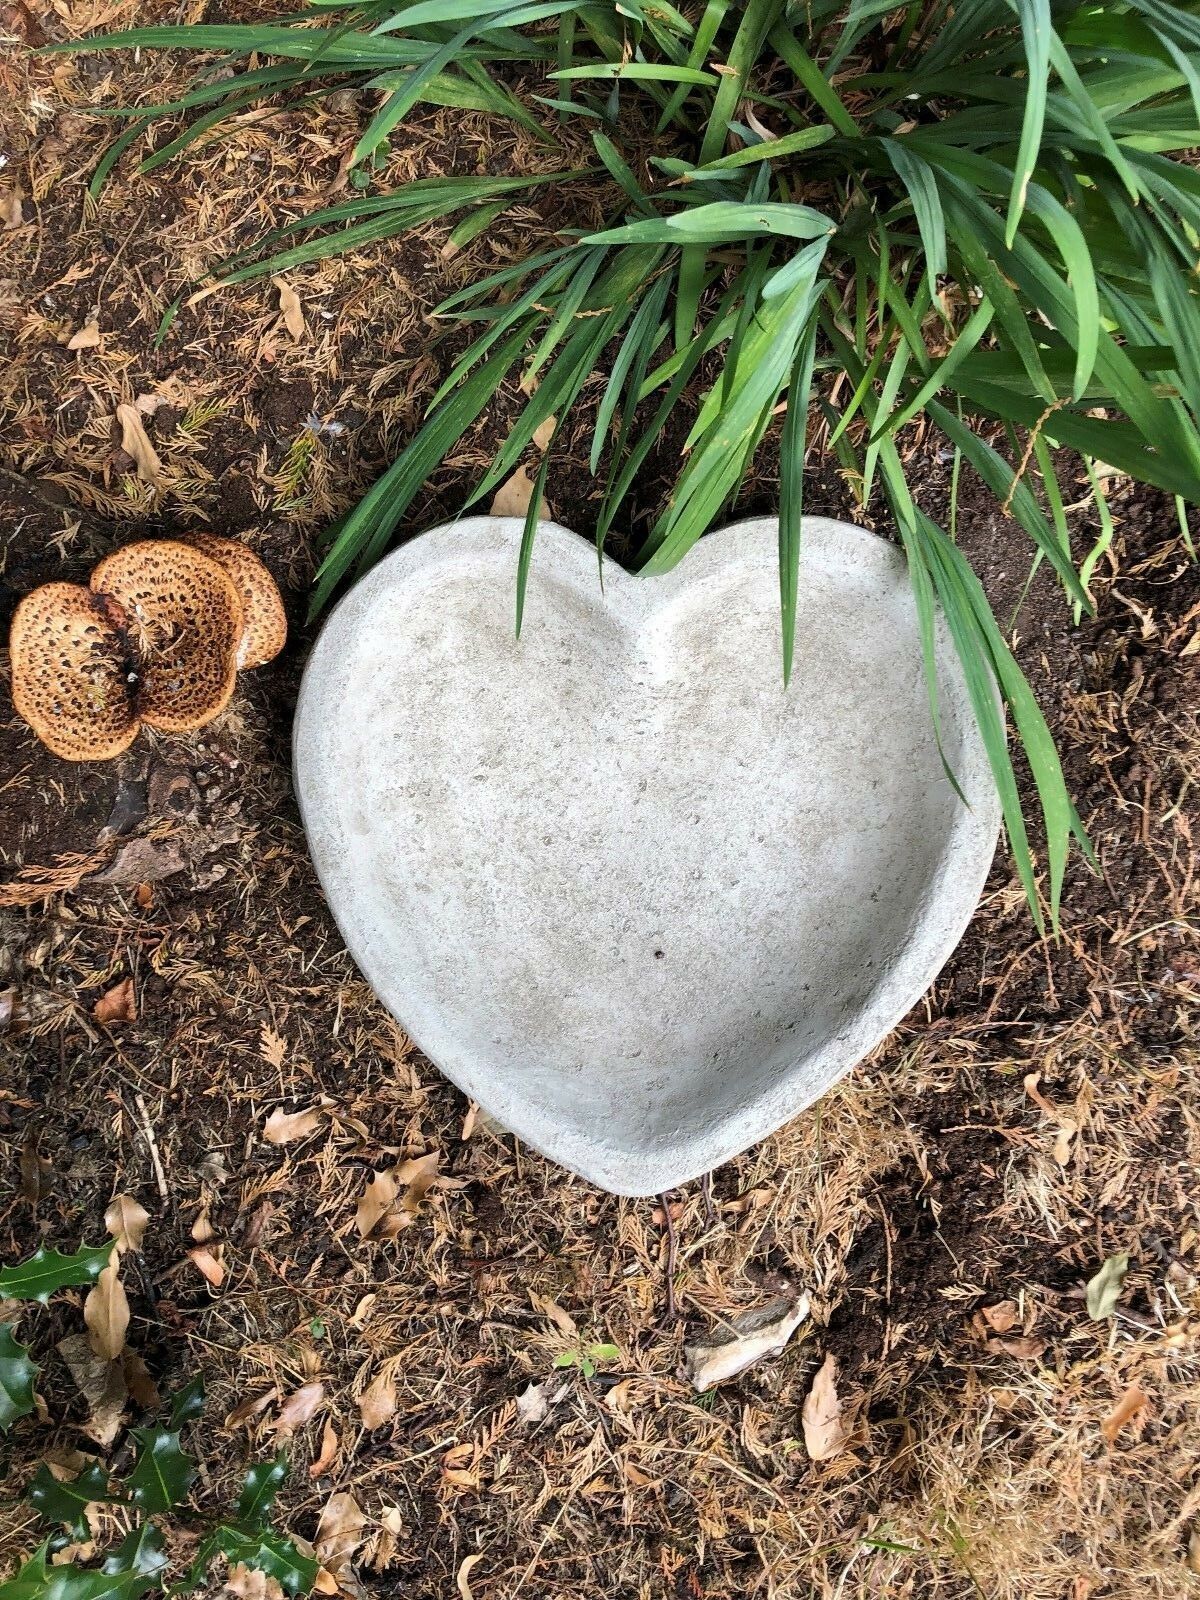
column 330, row 1449
column 12, row 212
column 143, row 1390
column 821, row 1414
column 126, row 1220
column 417, row 1177
column 1131, row 1403
column 463, row 1579
column 283, row 1127
column 300, row 1408
column 339, row 1532
column 562, row 1320
column 118, row 1004
column 513, row 497
column 755, row 1334
column 136, row 443
column 250, row 1408
column 377, row 1200
column 210, row 1262
column 1000, row 1318
column 290, row 309
column 1020, row 1349
column 37, row 1171
column 106, row 1311
column 102, row 1384
column 87, row 337
column 377, row 1403
column 249, row 1583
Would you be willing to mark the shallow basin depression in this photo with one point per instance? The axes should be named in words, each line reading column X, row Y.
column 627, row 892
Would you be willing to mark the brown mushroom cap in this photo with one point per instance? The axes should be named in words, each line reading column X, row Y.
column 183, row 621
column 70, row 674
column 264, row 630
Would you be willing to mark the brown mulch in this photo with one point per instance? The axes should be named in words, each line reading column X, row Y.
column 1036, row 1113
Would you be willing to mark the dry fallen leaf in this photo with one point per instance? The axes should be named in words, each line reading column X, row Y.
column 755, row 1334
column 386, row 1544
column 459, row 1466
column 117, row 1004
column 1020, row 1349
column 383, row 1209
column 250, row 1583
column 290, row 309
column 533, row 1403
column 1193, row 1555
column 362, row 1311
column 106, row 1311
column 126, row 1220
column 512, row 498
column 282, row 1127
column 821, row 1415
column 562, row 1320
column 1127, row 1407
column 87, row 338
column 143, row 1390
column 1063, row 1141
column 544, row 432
column 464, row 1574
column 136, row 443
column 339, row 1532
column 250, row 1408
column 210, row 1262
column 376, row 1202
column 1000, row 1318
column 12, row 213
column 102, row 1384
column 300, row 1408
column 377, row 1403
column 330, row 1448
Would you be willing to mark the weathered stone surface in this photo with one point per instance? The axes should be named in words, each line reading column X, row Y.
column 626, row 891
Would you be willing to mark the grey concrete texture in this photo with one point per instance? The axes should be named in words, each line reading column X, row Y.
column 625, row 890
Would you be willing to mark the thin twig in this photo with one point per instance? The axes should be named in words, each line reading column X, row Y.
column 664, row 1200
column 156, row 1159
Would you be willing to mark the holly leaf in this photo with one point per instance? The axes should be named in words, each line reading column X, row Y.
column 163, row 1472
column 140, row 1551
column 30, row 1580
column 269, row 1552
column 17, row 1374
column 258, row 1493
column 188, row 1403
column 1104, row 1290
column 74, row 1583
column 67, row 1501
column 48, row 1270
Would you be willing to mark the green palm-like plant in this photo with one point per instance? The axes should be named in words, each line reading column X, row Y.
column 964, row 213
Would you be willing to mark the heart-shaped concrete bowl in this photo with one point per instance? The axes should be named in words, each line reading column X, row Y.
column 626, row 891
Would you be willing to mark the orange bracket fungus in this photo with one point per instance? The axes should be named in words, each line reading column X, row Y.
column 156, row 638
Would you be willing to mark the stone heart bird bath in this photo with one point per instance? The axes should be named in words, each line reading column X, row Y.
column 627, row 892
